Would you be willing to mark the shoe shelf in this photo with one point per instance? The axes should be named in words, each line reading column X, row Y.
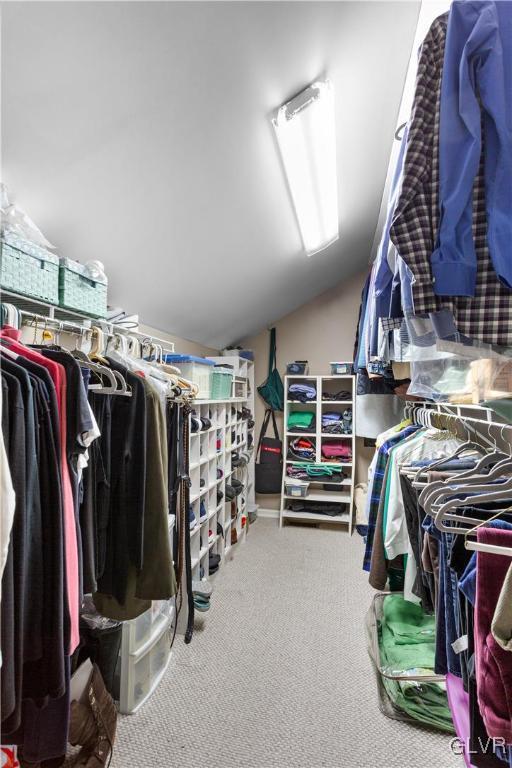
column 317, row 494
column 210, row 454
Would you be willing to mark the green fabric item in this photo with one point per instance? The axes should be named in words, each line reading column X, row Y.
column 302, row 419
column 272, row 390
column 407, row 646
column 503, row 408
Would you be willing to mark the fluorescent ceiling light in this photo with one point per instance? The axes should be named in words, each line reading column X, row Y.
column 307, row 140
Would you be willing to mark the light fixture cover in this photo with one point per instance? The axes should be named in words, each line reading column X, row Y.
column 306, row 134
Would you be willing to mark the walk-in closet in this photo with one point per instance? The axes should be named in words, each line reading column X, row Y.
column 256, row 384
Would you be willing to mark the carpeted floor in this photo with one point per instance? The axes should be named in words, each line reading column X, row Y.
column 277, row 674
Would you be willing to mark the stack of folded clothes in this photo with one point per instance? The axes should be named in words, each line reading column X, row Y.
column 407, row 649
column 302, row 449
column 302, row 393
column 337, row 423
column 337, row 451
column 343, row 395
column 318, row 508
column 331, row 472
column 301, row 421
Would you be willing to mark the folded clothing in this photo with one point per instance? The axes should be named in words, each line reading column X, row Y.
column 301, row 421
column 336, row 422
column 316, row 471
column 302, row 449
column 317, row 508
column 303, row 393
column 342, row 395
column 340, row 451
column 407, row 646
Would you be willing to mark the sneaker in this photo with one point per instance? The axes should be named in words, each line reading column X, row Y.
column 210, row 536
column 203, row 514
column 191, row 518
column 201, row 604
column 202, row 588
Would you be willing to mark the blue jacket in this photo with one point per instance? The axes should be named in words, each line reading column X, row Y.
column 477, row 65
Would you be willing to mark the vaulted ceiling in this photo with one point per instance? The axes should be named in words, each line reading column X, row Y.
column 138, row 134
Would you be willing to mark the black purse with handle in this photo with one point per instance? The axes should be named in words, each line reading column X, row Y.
column 269, row 458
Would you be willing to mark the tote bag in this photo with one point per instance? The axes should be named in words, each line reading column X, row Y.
column 272, row 390
column 269, row 458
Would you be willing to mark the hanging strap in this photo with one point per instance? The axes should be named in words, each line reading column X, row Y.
column 272, row 358
column 264, row 427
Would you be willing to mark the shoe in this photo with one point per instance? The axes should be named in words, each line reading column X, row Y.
column 191, row 518
column 220, row 473
column 195, row 423
column 203, row 513
column 92, row 724
column 230, row 491
column 246, row 413
column 210, row 536
column 234, row 536
column 239, row 415
column 205, row 424
column 202, row 588
column 237, row 485
column 234, row 510
column 243, row 521
column 250, row 423
column 235, row 459
column 213, row 563
column 220, row 496
column 202, row 482
column 201, row 604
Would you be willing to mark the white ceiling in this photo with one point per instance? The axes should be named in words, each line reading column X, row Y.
column 139, row 134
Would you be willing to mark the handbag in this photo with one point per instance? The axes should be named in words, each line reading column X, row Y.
column 272, row 390
column 269, row 458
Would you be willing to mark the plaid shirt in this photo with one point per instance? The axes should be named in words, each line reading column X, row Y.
column 487, row 317
column 377, row 488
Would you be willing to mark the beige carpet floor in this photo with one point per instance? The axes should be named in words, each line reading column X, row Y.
column 277, row 674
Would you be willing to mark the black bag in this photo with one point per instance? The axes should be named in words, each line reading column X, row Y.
column 269, row 458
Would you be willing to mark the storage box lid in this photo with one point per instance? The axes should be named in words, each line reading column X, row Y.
column 82, row 269
column 187, row 359
column 25, row 246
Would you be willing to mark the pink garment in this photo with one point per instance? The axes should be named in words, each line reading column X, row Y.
column 458, row 701
column 58, row 375
column 493, row 663
column 337, row 450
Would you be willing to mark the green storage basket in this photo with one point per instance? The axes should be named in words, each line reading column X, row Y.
column 80, row 291
column 221, row 383
column 28, row 269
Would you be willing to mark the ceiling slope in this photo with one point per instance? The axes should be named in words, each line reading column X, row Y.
column 139, row 134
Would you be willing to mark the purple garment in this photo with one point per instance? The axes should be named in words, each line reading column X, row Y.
column 493, row 664
column 458, row 701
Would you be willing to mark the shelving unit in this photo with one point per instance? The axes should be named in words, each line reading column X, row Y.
column 344, row 495
column 210, row 455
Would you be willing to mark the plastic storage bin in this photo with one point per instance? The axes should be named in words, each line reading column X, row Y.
column 297, row 368
column 142, row 670
column 28, row 269
column 341, row 369
column 297, row 488
column 195, row 369
column 81, row 290
column 222, row 382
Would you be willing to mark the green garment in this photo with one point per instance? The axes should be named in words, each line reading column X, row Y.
column 301, row 419
column 407, row 646
column 156, row 580
column 502, row 407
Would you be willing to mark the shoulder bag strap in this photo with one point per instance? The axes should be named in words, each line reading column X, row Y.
column 263, row 431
